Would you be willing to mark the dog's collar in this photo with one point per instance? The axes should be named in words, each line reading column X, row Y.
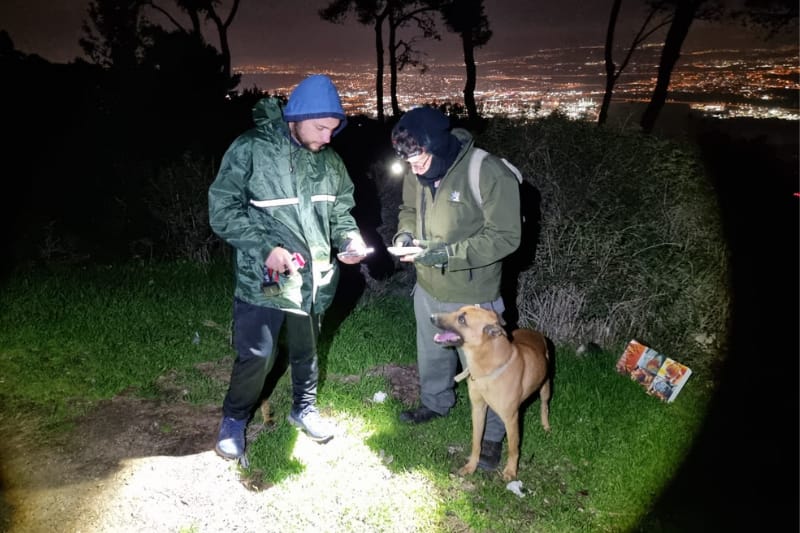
column 493, row 374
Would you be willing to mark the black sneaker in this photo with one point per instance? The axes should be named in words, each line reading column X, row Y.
column 231, row 438
column 419, row 415
column 489, row 459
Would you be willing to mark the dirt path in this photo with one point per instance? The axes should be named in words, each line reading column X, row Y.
column 134, row 464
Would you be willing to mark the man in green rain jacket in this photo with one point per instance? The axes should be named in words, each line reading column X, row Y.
column 282, row 200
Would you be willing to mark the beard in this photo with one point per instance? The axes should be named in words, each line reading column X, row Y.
column 311, row 146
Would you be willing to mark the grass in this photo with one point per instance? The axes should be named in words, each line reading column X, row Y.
column 91, row 332
column 70, row 336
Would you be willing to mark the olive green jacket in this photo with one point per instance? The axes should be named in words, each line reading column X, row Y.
column 271, row 192
column 478, row 238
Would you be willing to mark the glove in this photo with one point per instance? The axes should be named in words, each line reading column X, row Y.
column 434, row 253
column 403, row 239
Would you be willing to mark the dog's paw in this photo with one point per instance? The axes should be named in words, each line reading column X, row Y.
column 509, row 474
column 468, row 468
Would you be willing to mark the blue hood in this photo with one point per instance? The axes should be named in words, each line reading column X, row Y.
column 315, row 97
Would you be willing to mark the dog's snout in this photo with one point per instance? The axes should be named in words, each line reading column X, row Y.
column 439, row 320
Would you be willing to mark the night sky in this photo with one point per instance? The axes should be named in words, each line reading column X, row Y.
column 280, row 31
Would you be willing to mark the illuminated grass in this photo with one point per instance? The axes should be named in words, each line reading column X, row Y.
column 89, row 334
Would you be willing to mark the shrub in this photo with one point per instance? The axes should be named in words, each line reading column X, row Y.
column 630, row 243
column 177, row 197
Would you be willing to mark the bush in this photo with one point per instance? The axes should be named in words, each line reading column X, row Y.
column 177, row 197
column 630, row 244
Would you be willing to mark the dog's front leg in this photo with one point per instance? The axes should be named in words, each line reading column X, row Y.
column 512, row 430
column 479, row 408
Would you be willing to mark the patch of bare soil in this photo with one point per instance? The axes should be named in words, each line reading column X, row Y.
column 403, row 381
column 134, row 464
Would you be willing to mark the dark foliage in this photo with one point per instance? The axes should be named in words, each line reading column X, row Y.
column 83, row 143
column 742, row 472
column 363, row 144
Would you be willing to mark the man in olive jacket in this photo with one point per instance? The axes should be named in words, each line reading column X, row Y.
column 464, row 241
column 282, row 200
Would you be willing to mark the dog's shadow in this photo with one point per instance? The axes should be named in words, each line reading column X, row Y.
column 533, row 398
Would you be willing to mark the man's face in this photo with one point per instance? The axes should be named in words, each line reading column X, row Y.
column 314, row 133
column 420, row 163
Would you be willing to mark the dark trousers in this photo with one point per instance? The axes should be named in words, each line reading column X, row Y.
column 256, row 336
column 438, row 366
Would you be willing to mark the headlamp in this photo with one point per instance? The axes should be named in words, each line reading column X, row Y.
column 405, row 155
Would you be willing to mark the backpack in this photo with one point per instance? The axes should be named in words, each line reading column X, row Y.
column 528, row 196
column 475, row 161
column 530, row 215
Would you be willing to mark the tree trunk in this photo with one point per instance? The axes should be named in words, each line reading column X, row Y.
column 609, row 60
column 222, row 29
column 379, row 68
column 684, row 16
column 469, row 86
column 224, row 46
column 393, row 68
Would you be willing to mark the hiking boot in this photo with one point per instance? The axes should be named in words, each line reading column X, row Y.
column 309, row 421
column 489, row 459
column 419, row 415
column 230, row 442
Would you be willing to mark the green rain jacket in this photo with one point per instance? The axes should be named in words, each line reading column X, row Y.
column 478, row 238
column 271, row 192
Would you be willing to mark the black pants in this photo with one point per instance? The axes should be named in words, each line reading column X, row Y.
column 256, row 334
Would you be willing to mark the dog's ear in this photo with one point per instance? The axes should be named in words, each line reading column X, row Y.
column 494, row 330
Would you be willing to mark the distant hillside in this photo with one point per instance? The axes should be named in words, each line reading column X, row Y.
column 679, row 121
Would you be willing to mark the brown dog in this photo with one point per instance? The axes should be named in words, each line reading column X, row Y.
column 502, row 374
